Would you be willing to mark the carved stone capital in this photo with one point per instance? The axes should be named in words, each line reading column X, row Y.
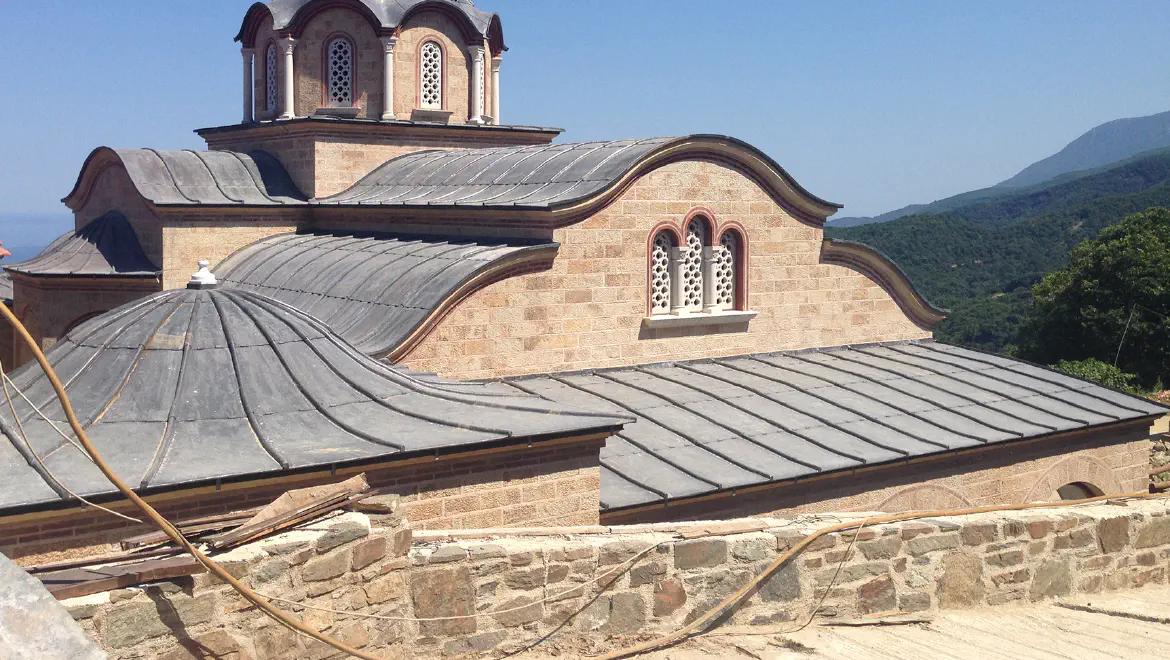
column 287, row 45
column 388, row 44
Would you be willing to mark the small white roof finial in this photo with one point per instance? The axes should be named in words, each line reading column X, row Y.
column 203, row 278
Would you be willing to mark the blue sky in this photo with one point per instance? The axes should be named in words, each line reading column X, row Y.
column 871, row 104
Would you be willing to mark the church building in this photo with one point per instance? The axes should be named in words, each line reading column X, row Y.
column 504, row 327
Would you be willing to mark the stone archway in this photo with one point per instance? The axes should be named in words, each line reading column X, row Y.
column 923, row 497
column 1087, row 470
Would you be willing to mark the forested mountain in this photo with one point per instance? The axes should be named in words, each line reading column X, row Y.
column 980, row 260
column 1103, row 146
column 1107, row 143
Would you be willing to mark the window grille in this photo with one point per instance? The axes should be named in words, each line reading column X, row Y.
column 725, row 271
column 270, row 79
column 692, row 266
column 660, row 274
column 431, row 75
column 340, row 54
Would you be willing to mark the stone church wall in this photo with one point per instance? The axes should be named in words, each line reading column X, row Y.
column 310, row 62
column 587, row 311
column 585, row 589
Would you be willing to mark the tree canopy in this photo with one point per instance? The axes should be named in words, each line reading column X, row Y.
column 1111, row 301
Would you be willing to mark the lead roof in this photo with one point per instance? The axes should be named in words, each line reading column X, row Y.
column 388, row 12
column 717, row 425
column 187, row 387
column 373, row 290
column 215, row 178
column 105, row 247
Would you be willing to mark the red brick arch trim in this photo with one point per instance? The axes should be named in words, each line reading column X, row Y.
column 523, row 262
column 1074, row 469
column 709, row 218
column 672, row 228
column 879, row 268
column 742, row 259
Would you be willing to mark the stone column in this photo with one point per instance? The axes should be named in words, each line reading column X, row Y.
column 711, row 257
column 476, row 84
column 496, row 89
column 677, row 257
column 388, row 44
column 287, row 75
column 248, row 53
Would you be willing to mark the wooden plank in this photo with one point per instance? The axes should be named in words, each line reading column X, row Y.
column 85, row 581
column 192, row 526
column 100, row 560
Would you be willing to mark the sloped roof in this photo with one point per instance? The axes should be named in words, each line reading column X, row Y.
column 207, row 178
column 374, row 290
column 715, row 425
column 547, row 176
column 105, row 247
column 188, row 386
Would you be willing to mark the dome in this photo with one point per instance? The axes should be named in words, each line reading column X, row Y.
column 383, row 15
column 192, row 386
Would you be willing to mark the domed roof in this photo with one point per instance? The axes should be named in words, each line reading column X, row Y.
column 192, row 386
column 384, row 16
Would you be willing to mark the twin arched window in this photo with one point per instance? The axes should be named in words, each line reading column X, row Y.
column 698, row 276
column 430, row 76
column 339, row 73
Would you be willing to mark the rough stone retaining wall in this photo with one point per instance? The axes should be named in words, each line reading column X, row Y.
column 342, row 564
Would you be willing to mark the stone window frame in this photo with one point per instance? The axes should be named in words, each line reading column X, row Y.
column 418, row 74
column 711, row 312
column 326, row 100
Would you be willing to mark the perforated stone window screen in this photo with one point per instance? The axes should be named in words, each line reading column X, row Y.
column 270, row 79
column 692, row 266
column 340, row 89
column 431, row 75
column 725, row 271
column 660, row 274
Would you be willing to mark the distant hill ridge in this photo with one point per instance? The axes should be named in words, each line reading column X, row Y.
column 1107, row 144
column 980, row 260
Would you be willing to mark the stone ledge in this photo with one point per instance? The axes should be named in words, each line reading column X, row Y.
column 696, row 319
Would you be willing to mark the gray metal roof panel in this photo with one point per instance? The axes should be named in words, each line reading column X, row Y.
column 710, row 425
column 521, row 177
column 105, row 247
column 373, row 290
column 188, row 386
column 389, row 13
column 214, row 178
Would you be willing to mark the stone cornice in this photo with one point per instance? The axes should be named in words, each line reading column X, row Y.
column 881, row 269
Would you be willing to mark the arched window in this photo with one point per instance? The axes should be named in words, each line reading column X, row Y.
column 692, row 265
column 726, row 267
column 430, row 76
column 270, row 78
column 660, row 273
column 340, row 73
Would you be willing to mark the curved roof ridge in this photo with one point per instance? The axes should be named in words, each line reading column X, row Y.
column 575, row 176
column 267, row 182
column 365, row 303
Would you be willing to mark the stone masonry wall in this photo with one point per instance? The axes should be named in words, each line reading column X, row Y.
column 530, row 487
column 188, row 238
column 432, row 25
column 1112, row 462
column 587, row 311
column 574, row 592
column 310, row 62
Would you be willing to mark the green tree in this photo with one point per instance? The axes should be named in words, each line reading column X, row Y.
column 1116, row 284
column 1099, row 372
